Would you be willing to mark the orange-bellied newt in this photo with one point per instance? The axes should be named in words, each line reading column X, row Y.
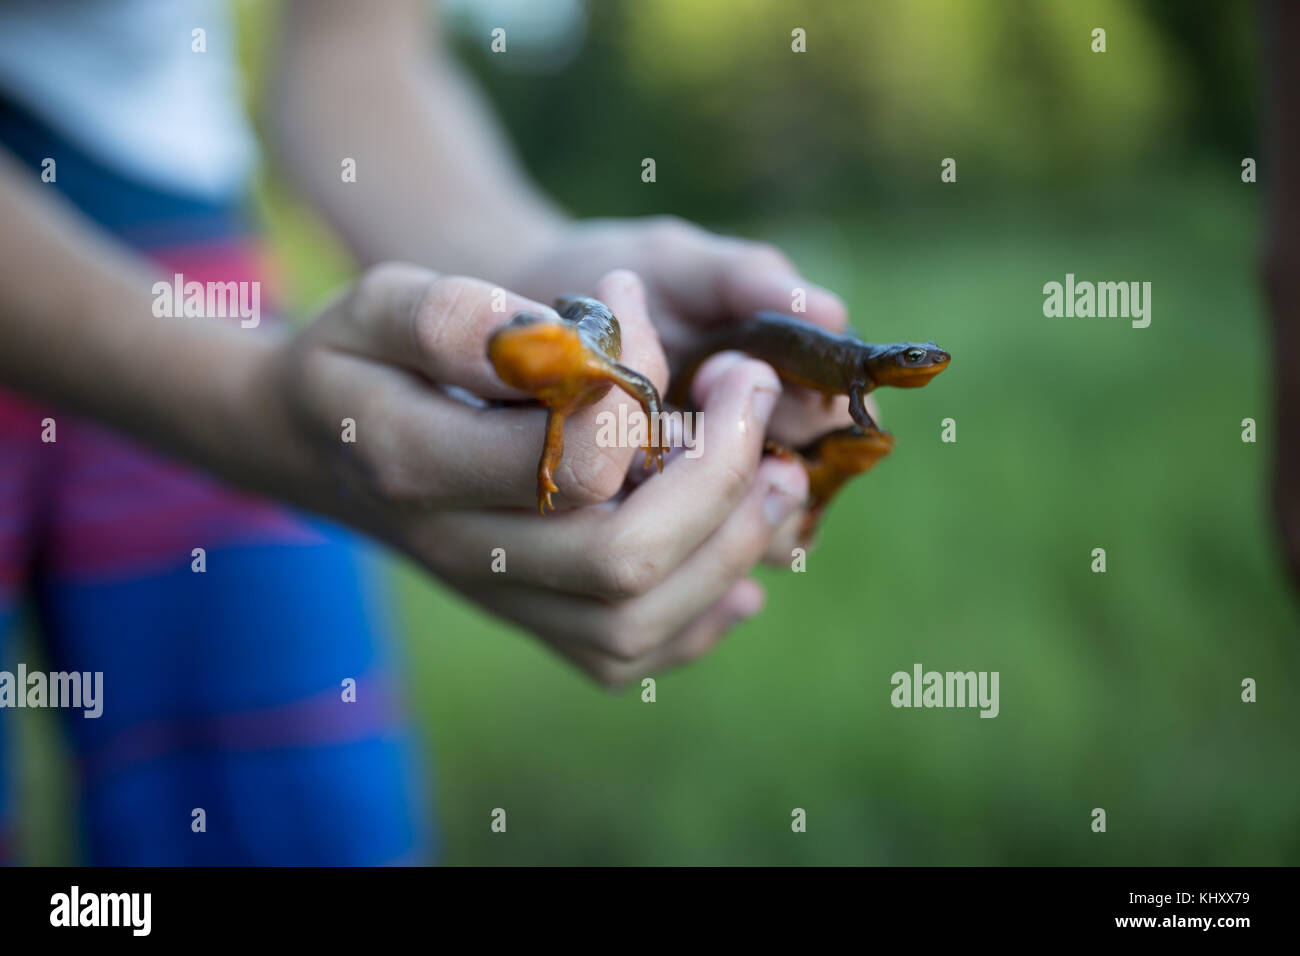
column 570, row 363
column 806, row 355
column 831, row 460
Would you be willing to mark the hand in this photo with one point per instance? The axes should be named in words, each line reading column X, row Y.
column 694, row 280
column 632, row 583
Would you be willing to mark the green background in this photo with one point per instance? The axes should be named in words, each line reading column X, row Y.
column 1118, row 690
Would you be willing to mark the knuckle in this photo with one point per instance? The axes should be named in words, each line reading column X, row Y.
column 391, row 483
column 380, row 275
column 627, row 641
column 667, row 230
column 447, row 294
column 607, row 676
column 595, row 476
column 700, row 645
column 443, row 313
column 733, row 480
column 619, row 575
column 377, row 282
column 390, row 480
column 762, row 255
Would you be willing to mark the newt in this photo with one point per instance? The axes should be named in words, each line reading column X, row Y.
column 568, row 364
column 573, row 361
column 831, row 460
column 803, row 354
column 806, row 355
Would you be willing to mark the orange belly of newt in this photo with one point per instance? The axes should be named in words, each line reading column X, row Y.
column 549, row 361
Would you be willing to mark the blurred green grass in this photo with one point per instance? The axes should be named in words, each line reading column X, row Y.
column 1119, row 691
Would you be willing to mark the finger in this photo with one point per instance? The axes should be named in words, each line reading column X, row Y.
column 591, row 635
column 778, row 492
column 714, row 279
column 631, row 629
column 802, row 416
column 624, row 293
column 742, row 601
column 618, row 551
column 592, row 468
column 425, row 447
column 435, row 325
column 781, row 547
column 754, row 279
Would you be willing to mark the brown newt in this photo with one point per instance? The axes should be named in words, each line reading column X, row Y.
column 573, row 361
column 803, row 354
column 568, row 364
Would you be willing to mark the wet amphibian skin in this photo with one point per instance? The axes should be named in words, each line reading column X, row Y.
column 806, row 355
column 568, row 364
column 811, row 357
column 831, row 461
column 571, row 362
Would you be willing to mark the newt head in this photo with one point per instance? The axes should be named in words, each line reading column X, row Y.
column 538, row 354
column 906, row 364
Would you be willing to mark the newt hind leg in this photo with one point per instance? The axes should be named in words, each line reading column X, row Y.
column 643, row 390
column 635, row 384
column 552, row 451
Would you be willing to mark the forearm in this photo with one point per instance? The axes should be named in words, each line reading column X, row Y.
column 436, row 182
column 77, row 329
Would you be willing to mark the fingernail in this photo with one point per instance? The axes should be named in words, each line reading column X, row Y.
column 764, row 401
column 711, row 372
column 750, row 609
column 779, row 503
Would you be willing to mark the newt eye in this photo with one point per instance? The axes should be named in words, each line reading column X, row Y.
column 914, row 355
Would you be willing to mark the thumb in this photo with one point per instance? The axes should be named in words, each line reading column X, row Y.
column 434, row 325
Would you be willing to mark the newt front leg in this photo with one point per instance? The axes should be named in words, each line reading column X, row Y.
column 858, row 406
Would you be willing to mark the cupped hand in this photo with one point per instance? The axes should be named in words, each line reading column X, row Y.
column 632, row 581
column 695, row 280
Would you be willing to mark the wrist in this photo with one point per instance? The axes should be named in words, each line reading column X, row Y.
column 254, row 437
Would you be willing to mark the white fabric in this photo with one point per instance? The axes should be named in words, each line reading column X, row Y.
column 120, row 79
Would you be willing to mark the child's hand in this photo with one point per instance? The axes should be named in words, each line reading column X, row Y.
column 629, row 584
column 382, row 356
column 696, row 280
